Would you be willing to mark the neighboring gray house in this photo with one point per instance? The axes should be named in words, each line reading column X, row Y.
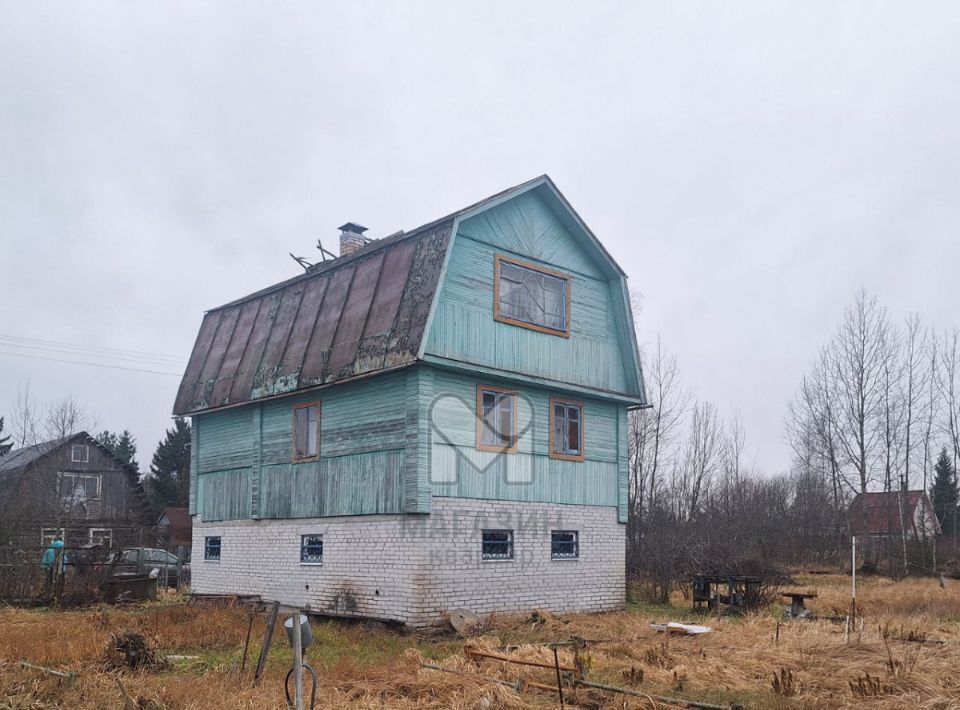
column 435, row 419
column 73, row 487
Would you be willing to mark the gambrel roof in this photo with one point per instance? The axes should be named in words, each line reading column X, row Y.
column 350, row 317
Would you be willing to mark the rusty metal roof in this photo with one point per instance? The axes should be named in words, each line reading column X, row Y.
column 352, row 316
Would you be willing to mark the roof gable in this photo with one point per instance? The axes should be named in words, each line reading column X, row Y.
column 878, row 513
column 534, row 223
column 17, row 462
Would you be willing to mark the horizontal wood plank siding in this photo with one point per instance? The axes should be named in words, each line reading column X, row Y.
column 457, row 469
column 248, row 451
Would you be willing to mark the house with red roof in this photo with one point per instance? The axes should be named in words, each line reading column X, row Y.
column 888, row 514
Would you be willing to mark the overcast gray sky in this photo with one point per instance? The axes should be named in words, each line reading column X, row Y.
column 751, row 165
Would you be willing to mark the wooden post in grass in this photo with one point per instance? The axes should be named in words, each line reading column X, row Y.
column 246, row 644
column 297, row 663
column 267, row 639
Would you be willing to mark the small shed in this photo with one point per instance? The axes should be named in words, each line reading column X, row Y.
column 175, row 529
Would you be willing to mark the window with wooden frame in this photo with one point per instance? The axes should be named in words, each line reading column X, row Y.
column 79, row 487
column 531, row 296
column 566, row 430
column 306, row 432
column 80, row 453
column 496, row 419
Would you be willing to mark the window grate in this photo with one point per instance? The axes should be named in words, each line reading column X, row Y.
column 311, row 549
column 497, row 545
column 211, row 548
column 564, row 544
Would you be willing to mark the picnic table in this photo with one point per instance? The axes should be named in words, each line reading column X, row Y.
column 798, row 608
column 741, row 591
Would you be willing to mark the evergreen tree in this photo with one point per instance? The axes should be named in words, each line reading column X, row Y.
column 168, row 482
column 5, row 444
column 944, row 493
column 123, row 446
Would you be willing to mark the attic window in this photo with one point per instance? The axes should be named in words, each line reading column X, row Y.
column 531, row 297
column 306, row 432
column 80, row 453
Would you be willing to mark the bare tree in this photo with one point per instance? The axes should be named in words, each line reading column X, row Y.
column 700, row 460
column 948, row 386
column 66, row 417
column 652, row 434
column 24, row 422
column 812, row 428
column 858, row 356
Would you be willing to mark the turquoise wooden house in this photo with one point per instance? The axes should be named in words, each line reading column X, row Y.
column 436, row 419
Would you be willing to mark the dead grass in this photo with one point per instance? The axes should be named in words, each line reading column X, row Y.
column 378, row 667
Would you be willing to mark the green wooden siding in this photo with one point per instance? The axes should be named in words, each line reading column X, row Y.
column 457, row 469
column 243, row 455
column 463, row 328
column 356, row 484
column 224, row 494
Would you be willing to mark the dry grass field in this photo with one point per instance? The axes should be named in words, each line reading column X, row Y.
column 371, row 666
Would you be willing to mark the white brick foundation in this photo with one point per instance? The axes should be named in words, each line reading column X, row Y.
column 413, row 568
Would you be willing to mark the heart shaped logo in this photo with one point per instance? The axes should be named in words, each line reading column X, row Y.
column 468, row 443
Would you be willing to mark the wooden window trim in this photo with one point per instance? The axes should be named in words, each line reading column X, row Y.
column 533, row 267
column 490, row 447
column 305, row 405
column 553, row 453
column 85, row 455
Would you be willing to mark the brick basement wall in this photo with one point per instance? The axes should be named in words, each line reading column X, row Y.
column 413, row 568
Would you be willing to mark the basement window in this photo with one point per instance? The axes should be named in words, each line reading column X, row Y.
column 531, row 297
column 80, row 453
column 564, row 544
column 311, row 549
column 496, row 420
column 497, row 545
column 211, row 548
column 566, row 430
column 306, row 432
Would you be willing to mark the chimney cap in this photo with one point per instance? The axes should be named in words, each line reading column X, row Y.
column 353, row 227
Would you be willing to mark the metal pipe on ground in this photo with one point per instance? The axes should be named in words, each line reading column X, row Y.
column 678, row 702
